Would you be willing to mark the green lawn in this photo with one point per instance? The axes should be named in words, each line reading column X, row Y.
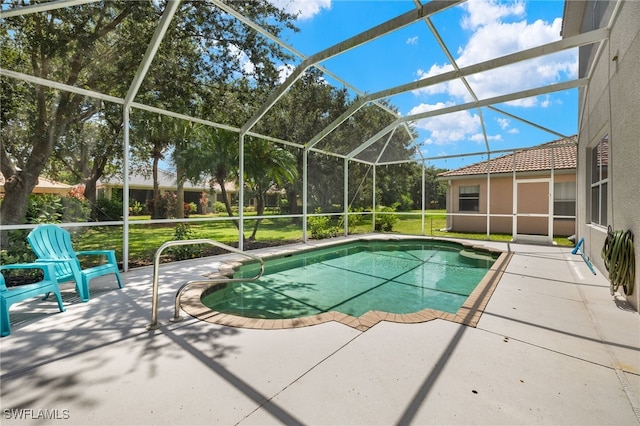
column 145, row 239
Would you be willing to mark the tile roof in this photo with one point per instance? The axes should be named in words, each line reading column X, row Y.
column 533, row 159
column 167, row 180
column 44, row 184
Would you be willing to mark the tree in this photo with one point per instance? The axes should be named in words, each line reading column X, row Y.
column 213, row 155
column 267, row 166
column 99, row 46
column 69, row 45
column 308, row 107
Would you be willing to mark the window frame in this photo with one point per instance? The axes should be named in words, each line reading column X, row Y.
column 598, row 181
column 565, row 201
column 472, row 198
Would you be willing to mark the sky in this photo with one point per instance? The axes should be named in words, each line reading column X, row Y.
column 476, row 31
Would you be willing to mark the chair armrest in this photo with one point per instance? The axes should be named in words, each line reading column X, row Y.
column 45, row 265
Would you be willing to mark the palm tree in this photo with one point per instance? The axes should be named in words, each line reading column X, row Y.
column 212, row 154
column 266, row 166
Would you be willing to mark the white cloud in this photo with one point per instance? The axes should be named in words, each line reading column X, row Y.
column 503, row 123
column 285, row 71
column 304, row 9
column 485, row 12
column 412, row 40
column 498, row 29
column 449, row 127
column 479, row 137
column 247, row 66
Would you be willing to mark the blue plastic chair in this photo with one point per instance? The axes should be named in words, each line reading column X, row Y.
column 53, row 244
column 9, row 296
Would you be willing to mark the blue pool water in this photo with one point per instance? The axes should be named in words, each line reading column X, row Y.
column 397, row 277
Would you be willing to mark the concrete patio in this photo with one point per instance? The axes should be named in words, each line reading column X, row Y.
column 552, row 347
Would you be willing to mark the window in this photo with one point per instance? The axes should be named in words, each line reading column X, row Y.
column 599, row 179
column 564, row 199
column 469, row 198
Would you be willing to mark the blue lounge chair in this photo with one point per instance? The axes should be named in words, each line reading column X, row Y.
column 53, row 244
column 9, row 296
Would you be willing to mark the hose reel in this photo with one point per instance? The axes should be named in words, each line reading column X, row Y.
column 619, row 259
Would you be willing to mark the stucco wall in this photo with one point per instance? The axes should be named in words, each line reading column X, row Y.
column 612, row 106
column 501, row 207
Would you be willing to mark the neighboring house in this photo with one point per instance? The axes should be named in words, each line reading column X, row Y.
column 609, row 135
column 531, row 192
column 44, row 186
column 141, row 189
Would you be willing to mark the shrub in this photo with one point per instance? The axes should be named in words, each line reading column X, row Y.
column 219, row 207
column 405, row 204
column 75, row 209
column 108, row 209
column 17, row 250
column 44, row 208
column 190, row 208
column 53, row 208
column 354, row 219
column 385, row 222
column 166, row 205
column 135, row 208
column 320, row 226
column 184, row 232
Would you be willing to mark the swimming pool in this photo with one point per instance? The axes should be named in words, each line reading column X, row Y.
column 358, row 283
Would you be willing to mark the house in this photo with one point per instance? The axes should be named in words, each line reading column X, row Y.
column 608, row 179
column 44, row 186
column 529, row 193
column 141, row 189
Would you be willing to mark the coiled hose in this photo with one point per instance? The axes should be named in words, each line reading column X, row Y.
column 619, row 259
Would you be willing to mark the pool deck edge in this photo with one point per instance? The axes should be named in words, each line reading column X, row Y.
column 468, row 314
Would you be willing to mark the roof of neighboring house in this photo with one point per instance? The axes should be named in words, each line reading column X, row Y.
column 166, row 181
column 44, row 186
column 562, row 153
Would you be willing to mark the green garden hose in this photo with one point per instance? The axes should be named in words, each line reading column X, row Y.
column 619, row 259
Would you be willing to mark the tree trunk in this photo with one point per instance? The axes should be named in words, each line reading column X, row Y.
column 180, row 191
column 156, row 189
column 19, row 184
column 292, row 202
column 90, row 194
column 17, row 189
column 259, row 212
column 227, row 204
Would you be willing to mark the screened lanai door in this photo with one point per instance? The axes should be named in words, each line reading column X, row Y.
column 532, row 206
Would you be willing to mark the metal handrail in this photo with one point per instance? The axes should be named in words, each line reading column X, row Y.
column 156, row 265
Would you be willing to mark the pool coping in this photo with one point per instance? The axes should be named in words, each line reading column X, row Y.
column 468, row 314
